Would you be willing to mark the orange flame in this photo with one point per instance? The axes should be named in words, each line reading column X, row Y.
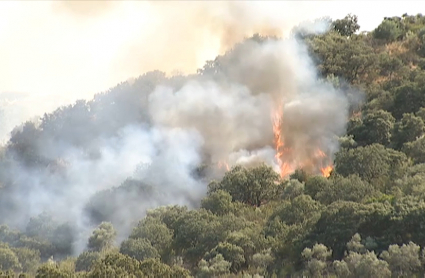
column 326, row 171
column 223, row 165
column 285, row 168
column 283, row 154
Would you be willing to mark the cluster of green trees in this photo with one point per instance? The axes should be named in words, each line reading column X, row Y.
column 365, row 220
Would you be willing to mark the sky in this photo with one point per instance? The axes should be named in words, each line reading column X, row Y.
column 53, row 53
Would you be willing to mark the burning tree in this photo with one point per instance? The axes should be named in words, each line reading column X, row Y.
column 289, row 161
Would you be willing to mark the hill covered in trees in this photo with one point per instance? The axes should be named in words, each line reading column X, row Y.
column 74, row 170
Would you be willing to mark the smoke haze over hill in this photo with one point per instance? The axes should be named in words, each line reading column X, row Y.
column 151, row 135
column 57, row 52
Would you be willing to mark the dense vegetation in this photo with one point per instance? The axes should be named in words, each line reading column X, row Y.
column 365, row 220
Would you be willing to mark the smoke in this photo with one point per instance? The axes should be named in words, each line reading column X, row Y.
column 199, row 30
column 233, row 112
column 141, row 144
column 84, row 9
column 16, row 108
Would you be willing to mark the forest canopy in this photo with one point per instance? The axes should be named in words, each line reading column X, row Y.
column 357, row 214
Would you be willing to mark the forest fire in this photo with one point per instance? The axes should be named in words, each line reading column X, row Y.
column 284, row 155
column 223, row 165
column 285, row 168
column 326, row 171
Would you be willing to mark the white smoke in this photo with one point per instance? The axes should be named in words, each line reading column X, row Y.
column 204, row 120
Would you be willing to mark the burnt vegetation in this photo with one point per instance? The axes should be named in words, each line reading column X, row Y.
column 365, row 220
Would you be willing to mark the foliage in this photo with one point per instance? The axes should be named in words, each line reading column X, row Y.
column 374, row 164
column 102, row 238
column 85, row 260
column 365, row 220
column 346, row 26
column 251, row 186
column 139, row 249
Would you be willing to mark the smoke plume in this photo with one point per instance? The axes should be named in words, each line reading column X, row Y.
column 138, row 146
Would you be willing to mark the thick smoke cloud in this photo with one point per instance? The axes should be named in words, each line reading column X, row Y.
column 153, row 142
column 193, row 31
column 234, row 114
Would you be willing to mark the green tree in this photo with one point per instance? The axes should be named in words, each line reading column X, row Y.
column 350, row 58
column 51, row 270
column 421, row 37
column 403, row 260
column 103, row 237
column 24, row 144
column 250, row 239
column 167, row 215
column 139, row 249
column 355, row 245
column 154, row 268
column 9, row 236
column 216, row 267
column 377, row 127
column 408, row 98
column 42, row 226
column 218, row 202
column 196, row 232
column 261, row 261
column 45, row 247
column 253, row 186
column 301, row 210
column 415, row 150
column 408, row 129
column 375, row 164
column 341, row 269
column 363, row 266
column 116, row 265
column 412, row 185
column 63, row 239
column 68, row 265
column 346, row 26
column 315, row 185
column 388, row 30
column 389, row 65
column 407, row 218
column 338, row 223
column 28, row 258
column 421, row 113
column 85, row 260
column 293, row 189
column 351, row 188
column 178, row 271
column 9, row 260
column 231, row 253
column 159, row 236
column 316, row 260
column 378, row 99
column 299, row 175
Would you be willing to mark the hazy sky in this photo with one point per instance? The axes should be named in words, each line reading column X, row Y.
column 54, row 52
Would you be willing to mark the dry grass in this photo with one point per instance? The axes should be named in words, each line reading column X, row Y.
column 396, row 48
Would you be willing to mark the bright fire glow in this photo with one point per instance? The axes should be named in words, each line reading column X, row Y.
column 285, row 168
column 223, row 165
column 326, row 172
column 284, row 157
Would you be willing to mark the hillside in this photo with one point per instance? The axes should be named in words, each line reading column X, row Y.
column 215, row 175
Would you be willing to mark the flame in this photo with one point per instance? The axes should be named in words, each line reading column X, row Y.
column 287, row 164
column 326, row 171
column 356, row 114
column 320, row 153
column 285, row 168
column 223, row 165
